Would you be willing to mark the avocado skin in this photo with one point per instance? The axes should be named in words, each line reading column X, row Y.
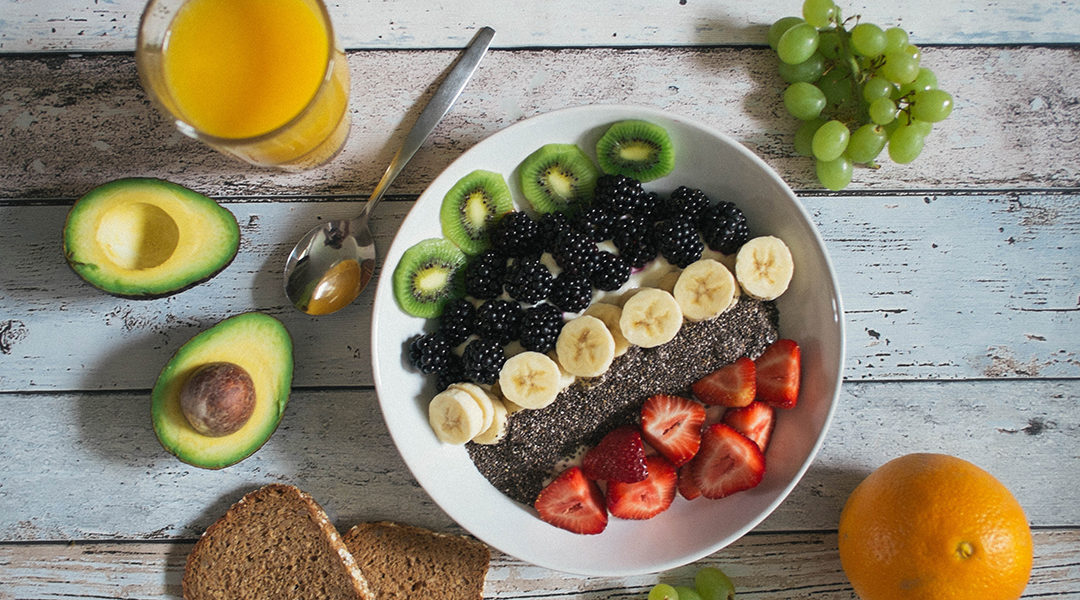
column 88, row 270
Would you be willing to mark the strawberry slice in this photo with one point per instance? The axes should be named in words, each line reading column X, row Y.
column 728, row 462
column 754, row 421
column 644, row 499
column 573, row 503
column 620, row 456
column 730, row 385
column 778, row 373
column 672, row 425
column 687, row 487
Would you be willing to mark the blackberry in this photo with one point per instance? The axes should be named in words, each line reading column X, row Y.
column 453, row 372
column 610, row 272
column 457, row 321
column 596, row 223
column 678, row 240
column 619, row 195
column 575, row 253
column 552, row 226
column 527, row 280
column 724, row 227
column 540, row 327
column 484, row 275
column 429, row 352
column 570, row 292
column 634, row 238
column 482, row 361
column 499, row 321
column 684, row 201
column 517, row 235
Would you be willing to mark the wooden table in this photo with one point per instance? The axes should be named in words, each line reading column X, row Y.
column 958, row 272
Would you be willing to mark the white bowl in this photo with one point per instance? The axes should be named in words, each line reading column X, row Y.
column 810, row 313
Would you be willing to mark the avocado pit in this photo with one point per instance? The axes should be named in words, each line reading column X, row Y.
column 218, row 398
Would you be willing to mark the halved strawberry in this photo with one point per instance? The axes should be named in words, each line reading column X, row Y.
column 672, row 425
column 730, row 385
column 687, row 488
column 620, row 456
column 644, row 499
column 754, row 421
column 728, row 462
column 573, row 503
column 778, row 373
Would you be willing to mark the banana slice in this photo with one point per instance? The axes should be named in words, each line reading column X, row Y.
column 764, row 267
column 704, row 290
column 609, row 314
column 497, row 431
column 650, row 318
column 565, row 379
column 530, row 380
column 455, row 416
column 585, row 347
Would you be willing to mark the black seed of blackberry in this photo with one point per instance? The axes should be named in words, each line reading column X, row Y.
column 552, row 225
column 453, row 372
column 499, row 321
column 575, row 253
column 678, row 240
column 484, row 275
column 429, row 353
column 482, row 361
column 610, row 272
column 724, row 227
column 684, row 201
column 596, row 223
column 619, row 195
column 457, row 321
column 540, row 327
column 528, row 280
column 571, row 292
column 634, row 238
column 516, row 234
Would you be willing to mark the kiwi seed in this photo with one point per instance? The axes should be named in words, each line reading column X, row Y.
column 637, row 149
column 471, row 207
column 558, row 178
column 429, row 274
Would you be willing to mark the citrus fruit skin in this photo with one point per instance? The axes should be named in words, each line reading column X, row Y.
column 932, row 526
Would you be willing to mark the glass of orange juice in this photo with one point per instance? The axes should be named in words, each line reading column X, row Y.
column 261, row 80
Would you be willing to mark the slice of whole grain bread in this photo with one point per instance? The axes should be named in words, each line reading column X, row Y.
column 403, row 561
column 275, row 542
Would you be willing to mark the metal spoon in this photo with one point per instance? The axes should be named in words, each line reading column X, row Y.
column 333, row 263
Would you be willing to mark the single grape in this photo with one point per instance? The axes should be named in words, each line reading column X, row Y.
column 895, row 39
column 903, row 119
column 782, row 25
column 931, row 105
column 797, row 44
column 818, row 13
column 905, row 144
column 804, row 100
column 663, row 591
column 804, row 137
column 866, row 143
column 836, row 84
column 835, row 174
column 830, row 140
column 925, row 80
column 913, row 51
column 868, row 39
column 809, row 70
column 829, row 44
column 713, row 584
column 687, row 593
column 877, row 87
column 899, row 67
column 882, row 111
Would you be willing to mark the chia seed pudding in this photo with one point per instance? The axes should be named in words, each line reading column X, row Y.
column 538, row 442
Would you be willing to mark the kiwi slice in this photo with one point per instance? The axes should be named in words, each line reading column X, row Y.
column 637, row 149
column 429, row 274
column 558, row 178
column 471, row 207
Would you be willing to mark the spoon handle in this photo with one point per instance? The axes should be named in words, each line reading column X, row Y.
column 440, row 103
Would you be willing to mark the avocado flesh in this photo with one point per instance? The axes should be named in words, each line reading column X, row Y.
column 148, row 238
column 260, row 345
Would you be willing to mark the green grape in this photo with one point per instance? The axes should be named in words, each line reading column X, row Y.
column 818, row 13
column 925, row 80
column 809, row 70
column 797, row 44
column 895, row 39
column 713, row 584
column 882, row 111
column 899, row 68
column 876, row 87
column 687, row 593
column 868, row 39
column 914, row 52
column 931, row 105
column 866, row 143
column 829, row 44
column 781, row 26
column 804, row 100
column 905, row 144
column 835, row 174
column 804, row 137
column 904, row 120
column 663, row 591
column 830, row 140
column 836, row 84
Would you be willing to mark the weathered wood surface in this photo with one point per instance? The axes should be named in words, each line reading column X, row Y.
column 71, row 26
column 70, row 123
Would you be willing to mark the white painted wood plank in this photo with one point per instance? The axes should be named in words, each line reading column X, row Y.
column 85, row 25
column 88, row 467
column 967, row 286
column 67, row 124
column 808, row 567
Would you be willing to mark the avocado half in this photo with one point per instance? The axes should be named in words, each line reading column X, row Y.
column 260, row 345
column 148, row 238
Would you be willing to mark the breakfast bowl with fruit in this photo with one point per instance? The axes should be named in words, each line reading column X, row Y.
column 608, row 340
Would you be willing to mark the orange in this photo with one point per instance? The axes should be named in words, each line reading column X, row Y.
column 931, row 526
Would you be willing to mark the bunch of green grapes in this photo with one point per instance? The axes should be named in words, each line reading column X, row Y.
column 856, row 91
